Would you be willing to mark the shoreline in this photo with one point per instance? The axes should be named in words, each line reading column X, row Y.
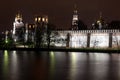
column 66, row 49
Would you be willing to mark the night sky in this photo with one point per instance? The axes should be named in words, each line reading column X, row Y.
column 59, row 11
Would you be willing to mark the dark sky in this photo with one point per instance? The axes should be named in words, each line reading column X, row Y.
column 58, row 11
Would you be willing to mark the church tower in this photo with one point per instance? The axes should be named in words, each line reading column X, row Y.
column 17, row 25
column 75, row 19
column 100, row 23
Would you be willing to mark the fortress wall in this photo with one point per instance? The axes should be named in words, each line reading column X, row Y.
column 78, row 40
column 99, row 40
column 116, row 40
column 92, row 38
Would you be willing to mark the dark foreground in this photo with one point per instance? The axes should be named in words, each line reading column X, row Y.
column 49, row 65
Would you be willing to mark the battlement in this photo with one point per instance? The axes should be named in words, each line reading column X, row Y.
column 89, row 31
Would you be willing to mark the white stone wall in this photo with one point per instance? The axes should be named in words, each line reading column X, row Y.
column 98, row 38
column 116, row 40
column 78, row 40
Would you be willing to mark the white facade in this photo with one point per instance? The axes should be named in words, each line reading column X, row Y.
column 116, row 40
column 16, row 25
column 98, row 38
column 78, row 40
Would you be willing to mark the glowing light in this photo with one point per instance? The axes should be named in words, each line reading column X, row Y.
column 75, row 17
column 93, row 24
column 6, row 61
column 73, row 56
column 14, row 52
column 33, row 26
column 15, row 40
column 46, row 19
column 52, row 54
column 98, row 21
column 43, row 19
column 6, row 53
column 39, row 19
column 52, row 63
column 14, row 57
column 6, row 41
column 36, row 19
column 73, row 65
column 29, row 26
column 14, row 63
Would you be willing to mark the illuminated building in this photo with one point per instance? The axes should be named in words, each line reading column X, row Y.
column 75, row 20
column 29, row 32
column 41, row 26
column 89, row 38
column 41, row 21
column 18, row 28
column 37, row 33
column 99, row 24
column 99, row 37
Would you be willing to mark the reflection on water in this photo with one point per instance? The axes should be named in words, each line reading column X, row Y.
column 25, row 65
column 5, row 63
column 14, row 66
column 52, row 64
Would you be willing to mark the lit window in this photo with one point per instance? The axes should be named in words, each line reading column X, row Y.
column 39, row 19
column 43, row 19
column 29, row 26
column 46, row 19
column 98, row 21
column 36, row 19
column 33, row 26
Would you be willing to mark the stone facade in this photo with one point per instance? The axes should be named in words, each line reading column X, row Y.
column 90, row 38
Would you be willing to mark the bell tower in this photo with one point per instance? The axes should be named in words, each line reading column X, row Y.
column 75, row 19
column 17, row 24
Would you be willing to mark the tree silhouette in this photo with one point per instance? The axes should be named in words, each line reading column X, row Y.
column 114, row 24
column 81, row 25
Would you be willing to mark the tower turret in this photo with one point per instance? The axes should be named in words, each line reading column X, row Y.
column 100, row 23
column 75, row 19
column 17, row 26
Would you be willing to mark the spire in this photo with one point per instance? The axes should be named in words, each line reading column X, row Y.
column 100, row 14
column 18, row 15
column 75, row 9
column 75, row 6
column 75, row 19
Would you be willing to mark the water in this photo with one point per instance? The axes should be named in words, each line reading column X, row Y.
column 31, row 65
